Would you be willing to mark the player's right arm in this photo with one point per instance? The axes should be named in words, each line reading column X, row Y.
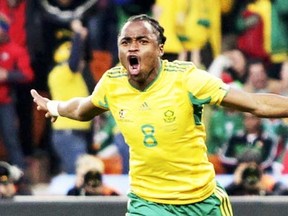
column 81, row 109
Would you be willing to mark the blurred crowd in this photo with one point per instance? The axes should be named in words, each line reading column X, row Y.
column 62, row 48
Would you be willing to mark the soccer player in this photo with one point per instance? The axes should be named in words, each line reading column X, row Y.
column 158, row 107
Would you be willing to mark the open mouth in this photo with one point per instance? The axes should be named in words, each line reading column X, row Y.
column 134, row 66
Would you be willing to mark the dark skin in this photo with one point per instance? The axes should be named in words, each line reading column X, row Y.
column 138, row 40
column 140, row 53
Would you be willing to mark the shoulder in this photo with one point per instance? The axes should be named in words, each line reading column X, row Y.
column 116, row 72
column 177, row 66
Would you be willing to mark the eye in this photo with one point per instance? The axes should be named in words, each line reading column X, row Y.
column 143, row 42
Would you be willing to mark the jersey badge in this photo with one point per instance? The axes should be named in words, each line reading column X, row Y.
column 169, row 116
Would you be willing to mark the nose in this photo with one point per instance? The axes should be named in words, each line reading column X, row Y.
column 134, row 46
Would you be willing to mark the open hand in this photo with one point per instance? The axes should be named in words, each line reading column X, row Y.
column 42, row 104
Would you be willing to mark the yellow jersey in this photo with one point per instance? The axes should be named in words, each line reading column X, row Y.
column 64, row 85
column 163, row 127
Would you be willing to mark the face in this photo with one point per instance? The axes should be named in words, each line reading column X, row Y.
column 7, row 190
column 252, row 123
column 239, row 62
column 139, row 52
column 258, row 76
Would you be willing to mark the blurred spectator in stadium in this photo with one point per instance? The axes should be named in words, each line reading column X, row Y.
column 104, row 145
column 203, row 17
column 253, row 138
column 16, row 11
column 250, row 33
column 230, row 66
column 95, row 15
column 14, row 69
column 259, row 81
column 250, row 179
column 229, row 19
column 170, row 17
column 103, row 31
column 11, row 181
column 232, row 123
column 89, row 170
column 70, row 139
column 257, row 78
column 275, row 20
column 48, row 26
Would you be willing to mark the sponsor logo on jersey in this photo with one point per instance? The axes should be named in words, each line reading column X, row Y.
column 144, row 107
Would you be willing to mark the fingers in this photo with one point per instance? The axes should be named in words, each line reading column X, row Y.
column 42, row 104
column 34, row 93
column 39, row 100
column 53, row 118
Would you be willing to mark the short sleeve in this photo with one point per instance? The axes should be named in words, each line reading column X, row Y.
column 99, row 94
column 204, row 86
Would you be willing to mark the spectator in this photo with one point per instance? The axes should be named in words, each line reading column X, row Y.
column 170, row 16
column 259, row 81
column 11, row 181
column 253, row 138
column 250, row 179
column 203, row 17
column 89, row 178
column 257, row 78
column 250, row 32
column 275, row 19
column 14, row 69
column 230, row 66
column 16, row 10
column 95, row 15
column 232, row 122
column 70, row 139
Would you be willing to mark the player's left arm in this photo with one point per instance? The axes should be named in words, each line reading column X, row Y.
column 259, row 104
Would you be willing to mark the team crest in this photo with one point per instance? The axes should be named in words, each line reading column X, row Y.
column 169, row 116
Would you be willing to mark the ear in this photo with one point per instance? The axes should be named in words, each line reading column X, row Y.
column 161, row 49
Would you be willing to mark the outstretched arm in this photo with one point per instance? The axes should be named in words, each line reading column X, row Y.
column 260, row 104
column 81, row 109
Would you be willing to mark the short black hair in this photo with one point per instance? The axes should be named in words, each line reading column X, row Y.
column 159, row 30
column 93, row 178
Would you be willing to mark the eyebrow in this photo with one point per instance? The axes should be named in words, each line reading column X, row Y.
column 137, row 38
